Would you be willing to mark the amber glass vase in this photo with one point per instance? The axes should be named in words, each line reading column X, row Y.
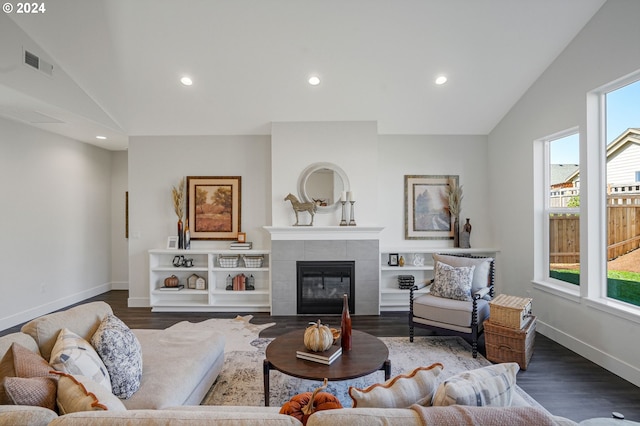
column 346, row 324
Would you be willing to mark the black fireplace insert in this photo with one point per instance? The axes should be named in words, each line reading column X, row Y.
column 322, row 284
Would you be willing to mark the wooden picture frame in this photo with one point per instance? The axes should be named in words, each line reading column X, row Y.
column 242, row 237
column 427, row 215
column 214, row 207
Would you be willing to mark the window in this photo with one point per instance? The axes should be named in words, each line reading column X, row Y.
column 562, row 207
column 622, row 160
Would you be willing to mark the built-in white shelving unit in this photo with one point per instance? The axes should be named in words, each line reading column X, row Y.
column 392, row 298
column 215, row 297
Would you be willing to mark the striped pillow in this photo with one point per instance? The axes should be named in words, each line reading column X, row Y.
column 491, row 386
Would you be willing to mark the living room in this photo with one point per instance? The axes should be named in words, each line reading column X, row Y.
column 64, row 218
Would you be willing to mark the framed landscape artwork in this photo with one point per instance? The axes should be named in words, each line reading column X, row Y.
column 213, row 207
column 426, row 215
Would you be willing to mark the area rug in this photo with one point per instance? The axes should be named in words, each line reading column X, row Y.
column 241, row 379
column 239, row 333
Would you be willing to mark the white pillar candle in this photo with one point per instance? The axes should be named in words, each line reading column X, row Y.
column 350, row 196
column 343, row 197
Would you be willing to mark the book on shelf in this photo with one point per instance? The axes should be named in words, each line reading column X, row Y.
column 326, row 357
column 241, row 246
column 175, row 288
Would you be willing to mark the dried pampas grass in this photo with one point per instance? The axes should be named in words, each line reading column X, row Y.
column 178, row 199
column 455, row 200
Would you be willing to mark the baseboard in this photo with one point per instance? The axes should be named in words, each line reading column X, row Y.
column 119, row 285
column 607, row 361
column 138, row 302
column 51, row 306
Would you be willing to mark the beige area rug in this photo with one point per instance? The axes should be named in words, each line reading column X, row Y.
column 238, row 331
column 241, row 379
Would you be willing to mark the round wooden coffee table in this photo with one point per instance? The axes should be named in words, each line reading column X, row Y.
column 368, row 354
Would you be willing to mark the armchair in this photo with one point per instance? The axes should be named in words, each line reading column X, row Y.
column 464, row 287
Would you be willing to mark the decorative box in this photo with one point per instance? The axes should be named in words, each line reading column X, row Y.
column 505, row 344
column 510, row 311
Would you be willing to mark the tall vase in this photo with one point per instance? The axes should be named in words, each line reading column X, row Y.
column 465, row 235
column 345, row 332
column 456, row 232
column 180, row 235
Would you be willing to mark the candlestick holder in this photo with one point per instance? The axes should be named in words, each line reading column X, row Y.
column 352, row 221
column 343, row 222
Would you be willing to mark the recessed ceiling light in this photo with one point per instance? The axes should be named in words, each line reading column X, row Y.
column 441, row 80
column 314, row 80
column 101, row 137
column 186, row 81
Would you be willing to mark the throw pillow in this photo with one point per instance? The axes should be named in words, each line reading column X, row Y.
column 481, row 273
column 491, row 386
column 21, row 363
column 121, row 352
column 74, row 355
column 39, row 391
column 25, row 379
column 401, row 391
column 80, row 393
column 452, row 282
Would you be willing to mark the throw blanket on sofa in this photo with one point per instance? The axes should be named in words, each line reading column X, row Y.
column 463, row 415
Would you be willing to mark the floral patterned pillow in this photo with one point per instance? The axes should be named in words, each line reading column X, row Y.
column 453, row 282
column 121, row 353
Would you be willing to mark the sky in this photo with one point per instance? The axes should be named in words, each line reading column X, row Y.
column 623, row 112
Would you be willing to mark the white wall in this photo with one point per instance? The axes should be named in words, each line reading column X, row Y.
column 351, row 145
column 119, row 242
column 605, row 50
column 157, row 163
column 465, row 156
column 56, row 222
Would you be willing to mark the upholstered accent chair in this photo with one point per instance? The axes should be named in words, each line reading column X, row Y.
column 458, row 301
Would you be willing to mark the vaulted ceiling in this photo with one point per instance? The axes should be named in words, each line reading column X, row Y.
column 250, row 61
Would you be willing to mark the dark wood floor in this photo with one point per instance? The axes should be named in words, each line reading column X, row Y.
column 565, row 383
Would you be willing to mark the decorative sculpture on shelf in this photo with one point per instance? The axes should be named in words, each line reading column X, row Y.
column 301, row 207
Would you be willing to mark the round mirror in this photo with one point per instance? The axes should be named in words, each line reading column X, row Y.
column 323, row 183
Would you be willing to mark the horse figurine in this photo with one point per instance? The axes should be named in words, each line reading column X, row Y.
column 301, row 207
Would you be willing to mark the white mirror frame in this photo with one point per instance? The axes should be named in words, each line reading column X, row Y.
column 304, row 177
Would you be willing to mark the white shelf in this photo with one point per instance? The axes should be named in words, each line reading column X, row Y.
column 393, row 298
column 215, row 297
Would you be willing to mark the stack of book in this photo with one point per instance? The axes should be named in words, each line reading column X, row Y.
column 240, row 246
column 405, row 282
column 174, row 288
column 326, row 357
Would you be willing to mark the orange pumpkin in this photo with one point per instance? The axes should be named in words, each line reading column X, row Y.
column 305, row 404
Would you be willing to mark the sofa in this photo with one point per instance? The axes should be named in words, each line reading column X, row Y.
column 178, row 368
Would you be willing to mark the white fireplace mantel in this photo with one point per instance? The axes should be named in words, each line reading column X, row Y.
column 324, row 232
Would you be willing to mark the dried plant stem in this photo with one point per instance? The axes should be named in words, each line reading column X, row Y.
column 178, row 199
column 455, row 200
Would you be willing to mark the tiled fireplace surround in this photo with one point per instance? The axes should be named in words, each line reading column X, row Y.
column 316, row 246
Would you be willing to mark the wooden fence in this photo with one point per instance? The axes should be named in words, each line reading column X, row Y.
column 623, row 231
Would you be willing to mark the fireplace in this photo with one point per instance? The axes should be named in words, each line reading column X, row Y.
column 322, row 284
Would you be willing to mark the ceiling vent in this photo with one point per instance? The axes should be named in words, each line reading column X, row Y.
column 34, row 61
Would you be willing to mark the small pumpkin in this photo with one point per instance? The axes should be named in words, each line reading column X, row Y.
column 305, row 404
column 318, row 337
column 171, row 281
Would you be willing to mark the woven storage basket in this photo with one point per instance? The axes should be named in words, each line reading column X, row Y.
column 510, row 311
column 228, row 261
column 253, row 261
column 504, row 344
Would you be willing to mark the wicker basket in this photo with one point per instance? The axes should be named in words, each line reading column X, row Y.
column 228, row 261
column 504, row 344
column 510, row 311
column 253, row 261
